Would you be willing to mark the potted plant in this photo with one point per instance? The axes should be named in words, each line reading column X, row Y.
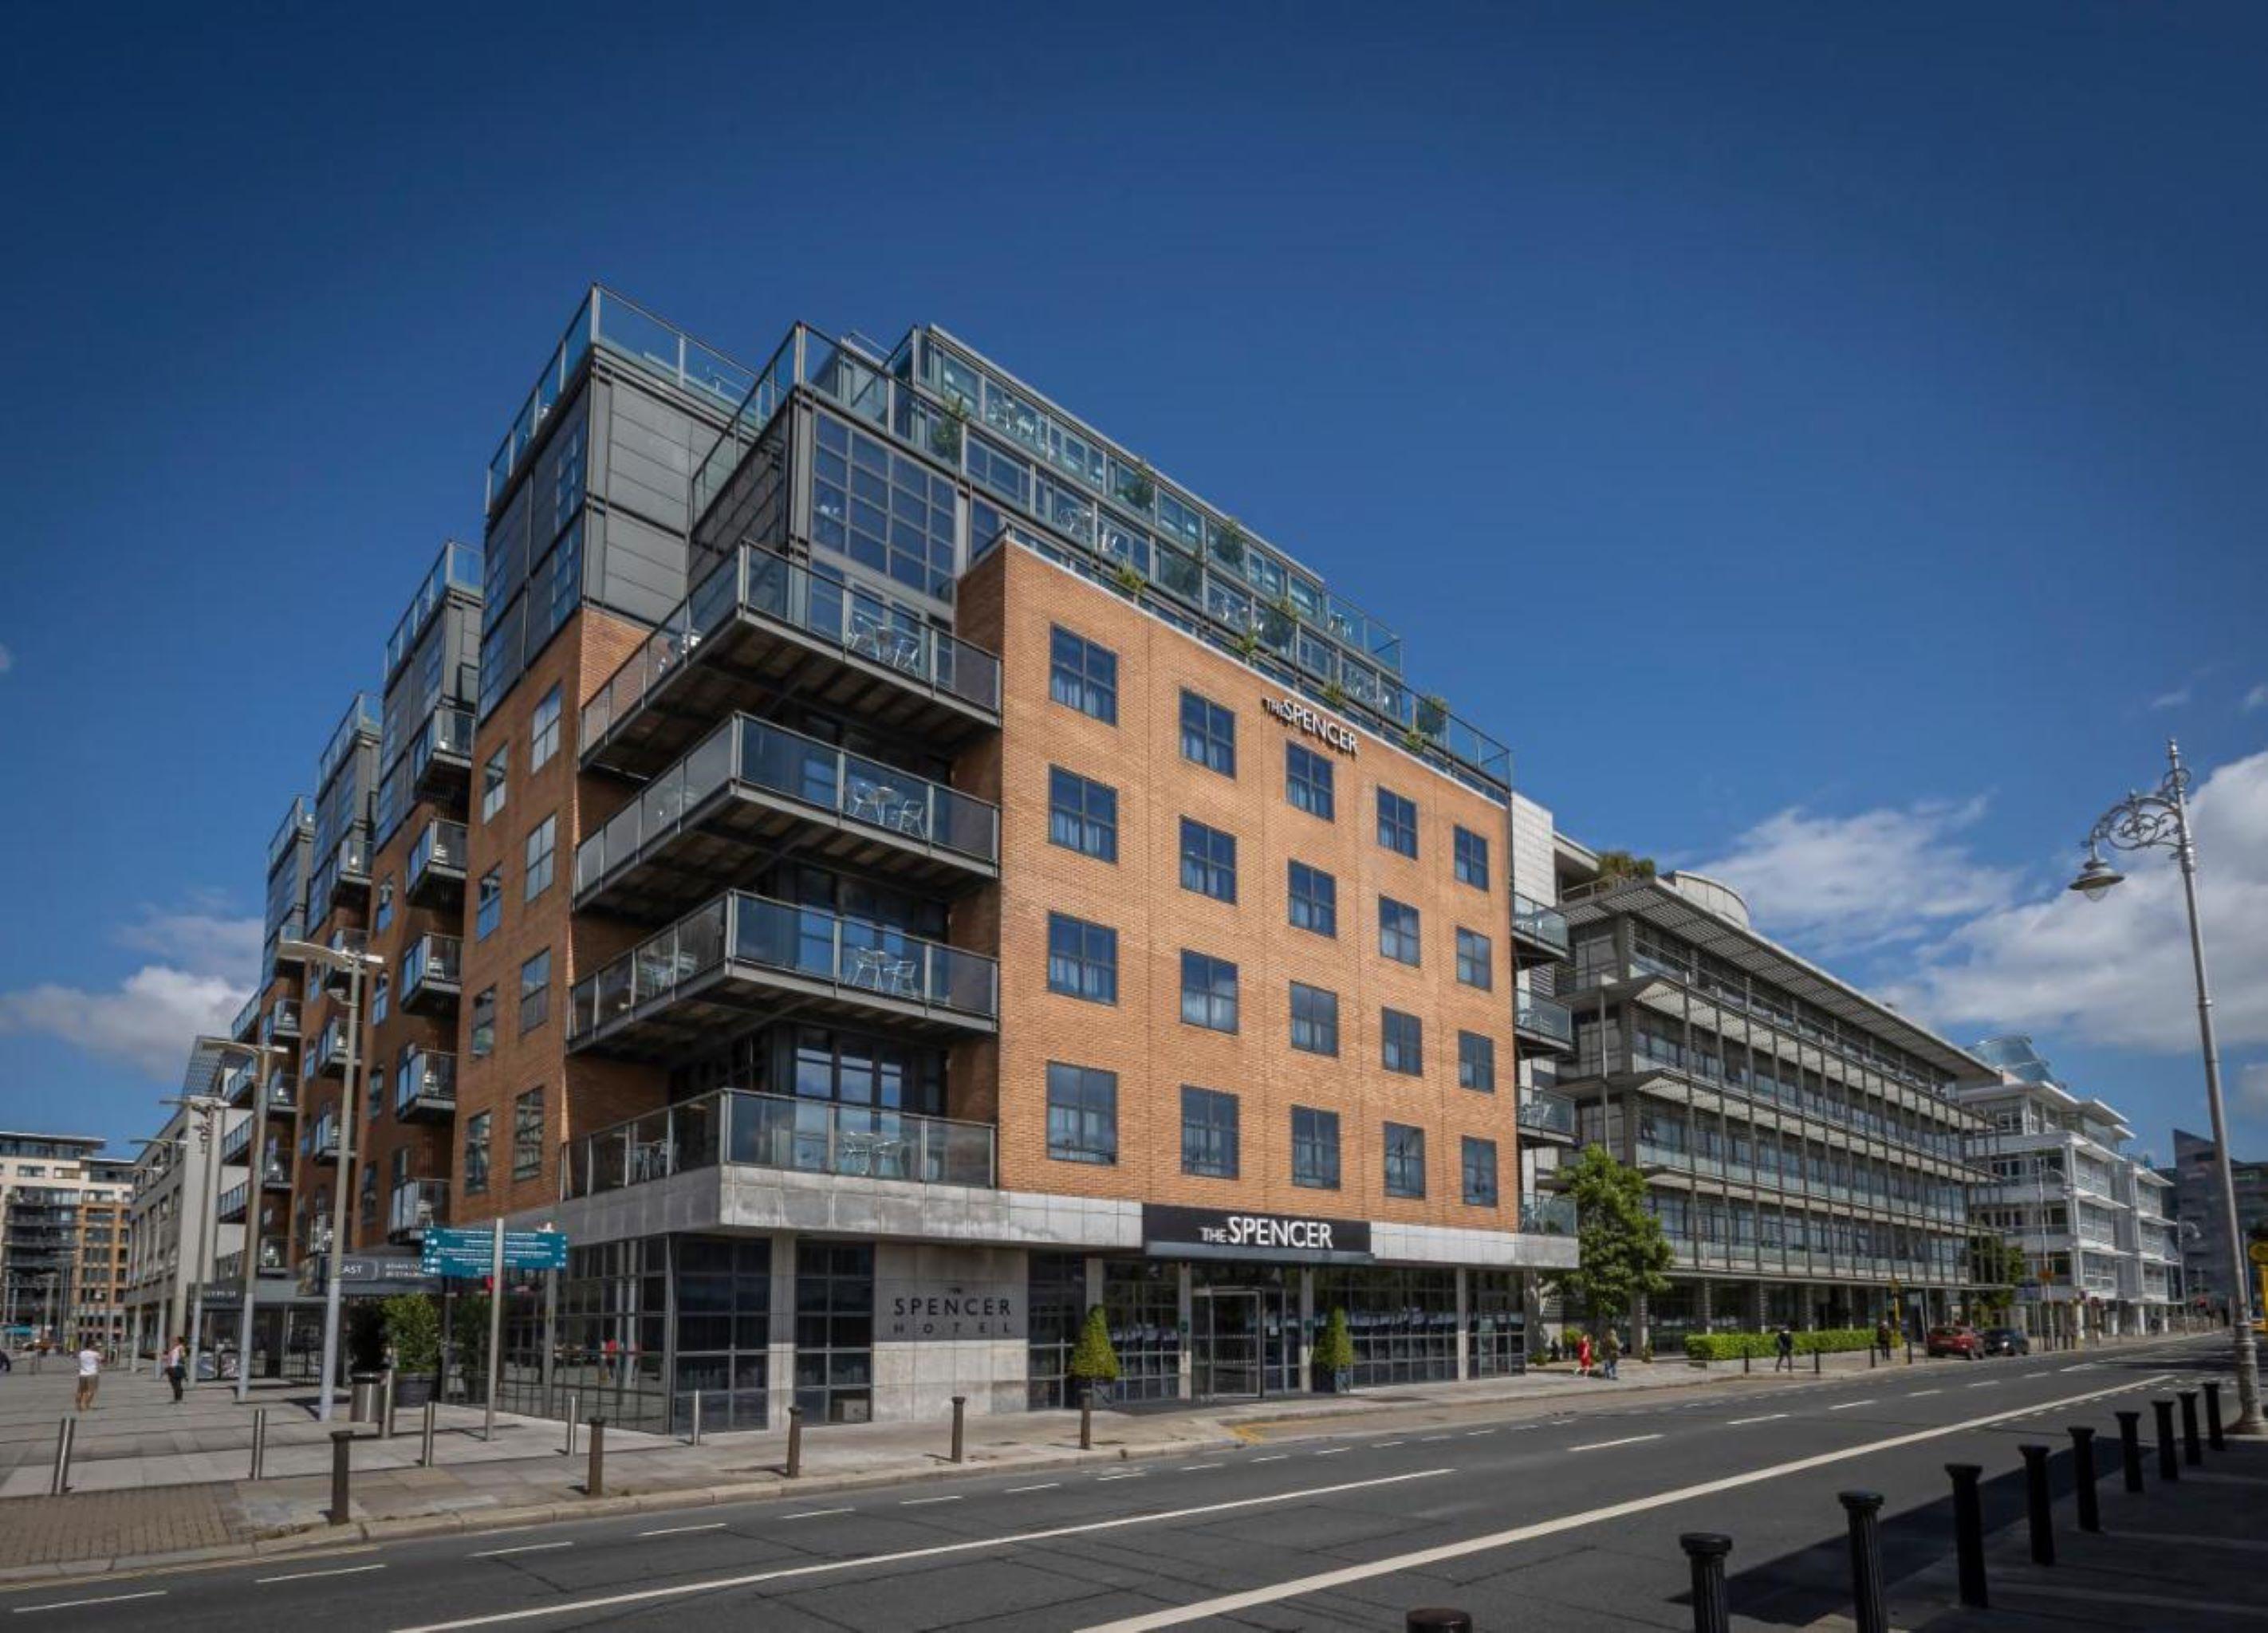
column 1432, row 716
column 1335, row 695
column 1093, row 1360
column 413, row 1327
column 1129, row 583
column 1228, row 545
column 1333, row 1357
column 1249, row 642
column 1414, row 740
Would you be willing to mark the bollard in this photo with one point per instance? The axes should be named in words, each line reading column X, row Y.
column 959, row 1406
column 2036, row 1503
column 342, row 1453
column 574, row 1411
column 1968, row 1534
column 1909, row 1349
column 594, row 1482
column 2169, row 1467
column 1816, row 1368
column 2082, row 1469
column 426, row 1437
column 1864, row 1509
column 2129, row 1448
column 1744, row 1363
column 2191, row 1452
column 1435, row 1620
column 59, row 1482
column 694, row 1438
column 1086, row 1418
column 795, row 1443
column 1707, row 1550
column 1871, row 1354
column 259, row 1439
column 385, row 1409
column 2212, row 1418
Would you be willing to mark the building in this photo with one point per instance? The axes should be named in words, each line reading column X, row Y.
column 2101, row 1251
column 184, row 1210
column 104, row 1244
column 62, row 1239
column 1803, row 1143
column 2202, row 1219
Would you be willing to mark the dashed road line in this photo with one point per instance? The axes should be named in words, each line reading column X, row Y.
column 1768, row 1417
column 1048, row 1485
column 921, row 1502
column 1191, row 1468
column 308, row 1575
column 1273, row 1457
column 671, row 1531
column 1104, row 1480
column 1334, row 1451
column 1844, row 1406
column 73, row 1604
column 1600, row 1445
column 524, row 1548
column 1918, row 1393
column 819, row 1513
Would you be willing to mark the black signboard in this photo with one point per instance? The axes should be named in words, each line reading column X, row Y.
column 1228, row 1233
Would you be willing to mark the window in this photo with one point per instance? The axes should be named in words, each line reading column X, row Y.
column 1315, row 1148
column 1208, row 861
column 476, row 1154
column 484, row 1032
column 1208, row 734
column 1082, row 1113
column 1476, row 959
column 496, row 775
column 1315, row 900
column 1082, row 675
column 385, row 904
column 535, row 991
column 1208, row 1133
column 1476, row 1061
column 1082, row 816
column 542, row 841
column 1472, row 859
column 488, row 906
column 1082, row 959
column 543, row 731
column 1307, row 780
column 1397, row 931
column 1480, row 1172
column 381, row 994
column 1403, row 1037
column 1405, row 1160
column 1314, row 1019
column 1208, row 991
column 1397, row 822
column 527, row 1135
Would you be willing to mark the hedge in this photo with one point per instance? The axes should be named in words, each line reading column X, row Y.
column 1732, row 1346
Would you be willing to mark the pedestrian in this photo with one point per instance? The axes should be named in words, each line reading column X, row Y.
column 1583, row 1355
column 1611, row 1353
column 177, row 1366
column 1784, row 1345
column 6, row 1365
column 1882, row 1336
column 89, row 1374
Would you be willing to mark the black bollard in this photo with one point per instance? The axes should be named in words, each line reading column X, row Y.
column 1969, row 1532
column 1864, row 1510
column 1436, row 1620
column 2129, row 1448
column 342, row 1440
column 795, row 1443
column 1744, row 1362
column 959, row 1406
column 2082, row 1469
column 1872, row 1352
column 2212, row 1418
column 1817, row 1366
column 594, row 1482
column 1086, row 1418
column 2192, row 1453
column 2169, row 1467
column 2036, row 1503
column 1706, row 1549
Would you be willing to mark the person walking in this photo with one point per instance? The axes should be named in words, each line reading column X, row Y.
column 1611, row 1353
column 1883, row 1336
column 177, row 1366
column 1783, row 1346
column 1583, row 1355
column 89, row 1374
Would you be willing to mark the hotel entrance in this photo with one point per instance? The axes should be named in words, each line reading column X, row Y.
column 1243, row 1340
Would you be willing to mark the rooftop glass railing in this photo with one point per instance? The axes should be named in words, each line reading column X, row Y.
column 757, row 583
column 1545, row 925
column 360, row 721
column 457, row 567
column 1544, row 1017
column 851, row 955
column 751, row 753
column 298, row 821
column 804, row 1136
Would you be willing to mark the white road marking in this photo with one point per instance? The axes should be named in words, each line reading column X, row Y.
column 1600, row 1445
column 819, row 1513
column 1918, row 1393
column 309, row 1576
column 1191, row 1468
column 524, row 1548
column 1273, row 1457
column 1768, row 1417
column 934, row 1551
column 1382, row 1444
column 1049, row 1485
column 1334, row 1451
column 917, row 1502
column 671, row 1531
column 72, row 1603
column 1300, row 1587
column 1432, row 1437
column 1985, row 1384
column 1844, row 1406
column 1103, row 1480
column 1475, row 1434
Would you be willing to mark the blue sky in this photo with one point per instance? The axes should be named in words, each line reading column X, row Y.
column 1825, row 445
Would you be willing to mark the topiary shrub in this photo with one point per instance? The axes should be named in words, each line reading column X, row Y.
column 1334, row 1354
column 1093, row 1360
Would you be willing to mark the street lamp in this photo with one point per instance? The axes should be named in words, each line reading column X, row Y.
column 2160, row 819
column 353, row 965
column 255, row 1169
column 208, row 1109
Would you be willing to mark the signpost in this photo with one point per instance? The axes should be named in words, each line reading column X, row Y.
column 491, row 1252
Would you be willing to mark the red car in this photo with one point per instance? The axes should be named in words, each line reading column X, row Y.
column 1960, row 1341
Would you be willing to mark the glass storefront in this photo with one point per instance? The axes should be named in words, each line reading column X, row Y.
column 1055, row 1300
column 1244, row 1321
column 1141, row 1301
column 723, row 1331
column 835, row 1331
column 1404, row 1320
column 1496, row 1325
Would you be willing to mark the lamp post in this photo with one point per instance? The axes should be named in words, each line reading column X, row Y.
column 207, row 1109
column 256, row 1167
column 352, row 965
column 2160, row 819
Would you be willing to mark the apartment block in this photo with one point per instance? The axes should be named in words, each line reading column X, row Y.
column 2201, row 1218
column 63, row 1241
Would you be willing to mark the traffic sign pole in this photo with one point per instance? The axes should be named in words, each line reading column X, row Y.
column 496, row 1327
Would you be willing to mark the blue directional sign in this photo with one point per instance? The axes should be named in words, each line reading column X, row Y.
column 473, row 1253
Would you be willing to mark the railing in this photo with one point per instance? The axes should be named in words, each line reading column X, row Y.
column 298, row 820
column 418, row 1204
column 441, row 843
column 448, row 730
column 1548, row 1113
column 321, row 1138
column 433, row 957
column 353, row 859
column 1540, row 923
column 279, row 1097
column 740, row 928
column 235, row 1199
column 754, row 581
column 1547, row 1215
column 360, row 720
column 283, row 1020
column 247, row 1019
column 239, row 1141
column 424, row 1075
column 780, row 1131
column 751, row 753
column 1545, row 1018
column 457, row 567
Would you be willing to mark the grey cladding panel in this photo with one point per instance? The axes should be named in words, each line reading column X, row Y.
column 650, row 454
column 639, row 570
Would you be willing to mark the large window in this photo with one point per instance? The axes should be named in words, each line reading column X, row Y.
column 1082, row 959
column 542, row 849
column 1397, row 931
column 1476, row 959
column 1314, row 1019
column 1315, row 1148
column 1307, row 780
column 477, row 1152
column 482, row 1034
column 1405, row 1160
column 1208, row 861
column 883, row 511
column 835, row 1331
column 723, row 1330
column 1404, row 1320
column 1208, row 1133
column 496, row 781
column 488, row 910
column 1403, row 1039
column 1082, row 815
column 1208, row 733
column 1476, row 1061
column 527, row 1135
column 1397, row 822
column 1480, row 1172
column 1315, row 900
column 381, row 997
column 1208, row 991
column 1472, row 859
column 543, row 731
column 1082, row 1113
column 1082, row 675
column 535, row 991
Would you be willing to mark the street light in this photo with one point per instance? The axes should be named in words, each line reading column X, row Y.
column 208, row 1109
column 353, row 965
column 254, row 1198
column 2160, row 819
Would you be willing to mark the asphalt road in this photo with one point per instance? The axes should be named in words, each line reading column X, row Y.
column 1569, row 1521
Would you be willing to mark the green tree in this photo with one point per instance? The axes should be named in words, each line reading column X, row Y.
column 1621, row 1252
column 1093, row 1360
column 1624, row 864
column 1335, row 1349
column 1995, row 1266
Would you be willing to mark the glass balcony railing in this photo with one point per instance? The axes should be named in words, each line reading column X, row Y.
column 280, row 1096
column 297, row 821
column 1552, row 1114
column 232, row 1201
column 754, row 755
column 432, row 968
column 443, row 746
column 780, row 1131
column 424, row 1084
column 417, row 1206
column 353, row 859
column 360, row 721
column 282, row 1020
column 1545, row 1018
column 436, row 858
column 1547, row 1215
column 754, row 933
column 1545, row 927
column 458, row 567
column 239, row 1141
column 246, row 1027
column 321, row 1142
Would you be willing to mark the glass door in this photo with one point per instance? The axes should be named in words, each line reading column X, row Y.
column 1228, row 1331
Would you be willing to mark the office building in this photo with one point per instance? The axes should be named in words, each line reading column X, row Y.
column 2201, row 1218
column 63, row 1240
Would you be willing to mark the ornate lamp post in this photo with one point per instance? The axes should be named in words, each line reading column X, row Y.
column 2160, row 819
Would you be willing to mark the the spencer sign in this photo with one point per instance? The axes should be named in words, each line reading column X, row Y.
column 1297, row 716
column 1260, row 1234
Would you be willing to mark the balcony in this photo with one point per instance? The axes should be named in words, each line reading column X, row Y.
column 432, row 981
column 750, row 791
column 1547, row 1215
column 281, row 1100
column 275, row 1170
column 321, row 1142
column 233, row 1203
column 441, row 758
column 1539, row 933
column 425, row 1086
column 759, row 625
column 237, row 1141
column 292, row 928
column 239, row 1084
column 437, row 865
column 280, row 1024
column 1547, row 1119
column 326, row 1056
column 1543, row 1025
column 349, row 872
column 417, row 1205
column 246, row 1027
column 780, row 1131
column 740, row 958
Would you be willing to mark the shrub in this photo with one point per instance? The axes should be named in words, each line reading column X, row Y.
column 413, row 1327
column 1335, row 1349
column 1733, row 1346
column 1093, row 1360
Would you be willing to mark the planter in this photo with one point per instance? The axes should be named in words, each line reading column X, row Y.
column 412, row 1389
column 1334, row 1380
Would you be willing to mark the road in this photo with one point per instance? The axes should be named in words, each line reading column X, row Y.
column 1568, row 1521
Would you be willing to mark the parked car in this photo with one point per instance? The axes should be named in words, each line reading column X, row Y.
column 1960, row 1341
column 2005, row 1341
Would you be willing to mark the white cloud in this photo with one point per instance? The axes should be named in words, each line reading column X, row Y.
column 149, row 1019
column 2177, row 698
column 204, row 943
column 1839, row 883
column 2256, row 698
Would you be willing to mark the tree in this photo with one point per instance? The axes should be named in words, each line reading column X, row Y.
column 1335, row 1349
column 1624, row 864
column 1995, row 1266
column 1093, row 1360
column 1621, row 1252
column 413, row 1327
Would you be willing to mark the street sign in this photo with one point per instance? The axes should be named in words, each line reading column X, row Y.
column 473, row 1253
